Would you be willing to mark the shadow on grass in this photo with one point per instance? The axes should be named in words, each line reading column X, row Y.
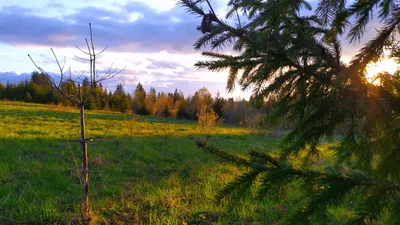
column 141, row 179
column 103, row 115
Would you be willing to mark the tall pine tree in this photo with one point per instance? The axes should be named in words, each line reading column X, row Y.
column 139, row 101
column 295, row 58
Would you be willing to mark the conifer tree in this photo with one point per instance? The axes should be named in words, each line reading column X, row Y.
column 295, row 59
column 218, row 105
column 2, row 90
column 118, row 99
column 139, row 100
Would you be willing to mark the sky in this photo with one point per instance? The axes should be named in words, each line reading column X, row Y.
column 152, row 39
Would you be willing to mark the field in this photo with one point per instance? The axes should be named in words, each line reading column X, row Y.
column 145, row 170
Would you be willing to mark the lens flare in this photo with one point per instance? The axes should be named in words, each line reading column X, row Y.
column 373, row 69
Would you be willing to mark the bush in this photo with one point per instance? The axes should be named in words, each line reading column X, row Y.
column 207, row 117
column 257, row 125
column 28, row 97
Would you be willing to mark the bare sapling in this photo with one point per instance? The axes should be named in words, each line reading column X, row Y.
column 80, row 98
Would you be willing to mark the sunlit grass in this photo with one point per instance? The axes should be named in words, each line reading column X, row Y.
column 146, row 170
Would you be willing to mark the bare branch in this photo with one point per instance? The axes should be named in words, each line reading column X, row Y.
column 83, row 51
column 59, row 66
column 110, row 75
column 41, row 70
column 79, row 98
column 80, row 58
column 101, row 52
column 65, row 60
column 51, row 80
column 94, row 55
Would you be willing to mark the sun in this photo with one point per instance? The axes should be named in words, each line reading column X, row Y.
column 385, row 65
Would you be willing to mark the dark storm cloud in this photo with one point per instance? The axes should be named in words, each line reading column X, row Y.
column 173, row 30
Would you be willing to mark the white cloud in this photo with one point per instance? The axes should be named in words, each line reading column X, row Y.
column 158, row 5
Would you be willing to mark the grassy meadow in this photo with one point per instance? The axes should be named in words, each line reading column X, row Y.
column 145, row 170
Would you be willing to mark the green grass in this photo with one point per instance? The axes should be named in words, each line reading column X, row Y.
column 144, row 171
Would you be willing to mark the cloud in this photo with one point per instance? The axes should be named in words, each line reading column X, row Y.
column 136, row 33
column 163, row 64
column 54, row 5
column 151, row 31
column 131, row 27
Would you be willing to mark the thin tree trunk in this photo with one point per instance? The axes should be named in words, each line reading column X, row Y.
column 80, row 100
column 85, row 167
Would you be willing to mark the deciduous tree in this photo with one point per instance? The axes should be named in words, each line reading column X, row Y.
column 79, row 98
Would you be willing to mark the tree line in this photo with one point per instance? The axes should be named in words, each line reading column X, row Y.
column 38, row 89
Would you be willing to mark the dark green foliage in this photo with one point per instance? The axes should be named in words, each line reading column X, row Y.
column 178, row 96
column 139, row 101
column 28, row 97
column 183, row 112
column 2, row 90
column 39, row 90
column 218, row 105
column 119, row 100
column 323, row 189
column 294, row 61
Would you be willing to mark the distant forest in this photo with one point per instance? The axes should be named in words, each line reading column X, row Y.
column 175, row 105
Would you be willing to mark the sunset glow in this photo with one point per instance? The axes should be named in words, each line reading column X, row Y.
column 386, row 65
